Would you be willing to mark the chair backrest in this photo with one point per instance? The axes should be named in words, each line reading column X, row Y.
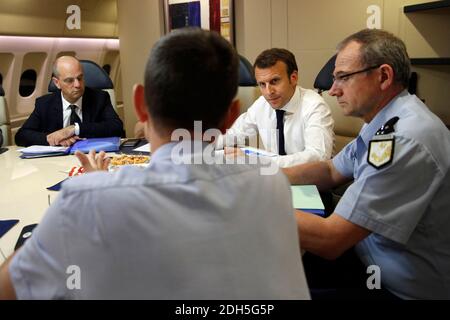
column 94, row 77
column 324, row 79
column 247, row 90
column 246, row 73
column 345, row 128
column 5, row 124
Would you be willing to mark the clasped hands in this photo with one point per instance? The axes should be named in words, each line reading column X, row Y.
column 64, row 137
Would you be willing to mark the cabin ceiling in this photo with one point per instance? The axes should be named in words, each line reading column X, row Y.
column 48, row 18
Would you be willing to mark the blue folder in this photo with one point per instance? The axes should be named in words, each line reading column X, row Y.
column 5, row 225
column 110, row 144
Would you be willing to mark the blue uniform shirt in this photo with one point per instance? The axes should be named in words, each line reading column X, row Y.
column 173, row 230
column 405, row 203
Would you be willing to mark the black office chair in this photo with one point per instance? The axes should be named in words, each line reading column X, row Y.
column 324, row 82
column 324, row 79
column 246, row 73
column 94, row 77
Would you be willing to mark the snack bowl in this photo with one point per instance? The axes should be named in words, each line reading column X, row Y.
column 128, row 159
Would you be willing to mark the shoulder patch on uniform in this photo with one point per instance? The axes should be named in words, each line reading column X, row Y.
column 381, row 147
column 381, row 152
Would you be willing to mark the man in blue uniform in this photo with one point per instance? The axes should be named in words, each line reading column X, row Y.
column 396, row 213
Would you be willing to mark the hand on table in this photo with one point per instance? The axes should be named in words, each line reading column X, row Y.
column 233, row 152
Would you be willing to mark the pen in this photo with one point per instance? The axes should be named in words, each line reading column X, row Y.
column 252, row 152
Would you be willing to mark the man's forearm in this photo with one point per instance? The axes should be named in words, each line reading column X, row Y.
column 317, row 173
column 28, row 137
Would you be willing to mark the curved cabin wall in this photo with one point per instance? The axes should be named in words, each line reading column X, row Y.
column 48, row 18
column 38, row 54
column 34, row 33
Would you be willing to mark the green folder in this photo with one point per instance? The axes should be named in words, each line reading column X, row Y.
column 306, row 197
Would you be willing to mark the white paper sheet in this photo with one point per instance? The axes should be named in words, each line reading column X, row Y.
column 42, row 149
column 144, row 148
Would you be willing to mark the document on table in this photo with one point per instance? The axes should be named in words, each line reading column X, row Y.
column 144, row 148
column 258, row 152
column 306, row 197
column 42, row 149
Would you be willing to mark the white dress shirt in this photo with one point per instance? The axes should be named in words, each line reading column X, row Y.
column 308, row 128
column 67, row 111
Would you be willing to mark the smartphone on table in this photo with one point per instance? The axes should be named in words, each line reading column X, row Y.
column 130, row 143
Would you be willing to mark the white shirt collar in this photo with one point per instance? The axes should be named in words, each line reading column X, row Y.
column 66, row 104
column 293, row 104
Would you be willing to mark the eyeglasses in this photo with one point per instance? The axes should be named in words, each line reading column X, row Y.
column 342, row 78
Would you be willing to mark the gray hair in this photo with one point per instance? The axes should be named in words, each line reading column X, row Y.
column 382, row 47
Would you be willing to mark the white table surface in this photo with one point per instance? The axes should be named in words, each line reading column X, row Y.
column 23, row 190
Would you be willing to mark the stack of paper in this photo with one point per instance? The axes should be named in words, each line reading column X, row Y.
column 42, row 151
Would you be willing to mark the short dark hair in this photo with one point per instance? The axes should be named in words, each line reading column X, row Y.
column 191, row 75
column 381, row 47
column 268, row 58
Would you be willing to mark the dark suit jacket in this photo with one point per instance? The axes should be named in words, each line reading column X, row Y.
column 99, row 118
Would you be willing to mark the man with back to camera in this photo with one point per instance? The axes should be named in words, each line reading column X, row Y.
column 70, row 113
column 396, row 212
column 293, row 122
column 169, row 231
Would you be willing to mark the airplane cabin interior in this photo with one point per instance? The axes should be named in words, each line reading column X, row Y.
column 114, row 37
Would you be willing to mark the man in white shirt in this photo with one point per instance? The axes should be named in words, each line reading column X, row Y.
column 293, row 122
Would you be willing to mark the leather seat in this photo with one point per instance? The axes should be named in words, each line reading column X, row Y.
column 5, row 124
column 248, row 92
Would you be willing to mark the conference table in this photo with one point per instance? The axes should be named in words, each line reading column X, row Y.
column 23, row 190
column 24, row 195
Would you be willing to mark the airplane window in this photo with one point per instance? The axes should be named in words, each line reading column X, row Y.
column 27, row 82
column 107, row 68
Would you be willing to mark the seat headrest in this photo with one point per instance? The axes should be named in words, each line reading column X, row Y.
column 94, row 77
column 246, row 74
column 324, row 80
column 2, row 92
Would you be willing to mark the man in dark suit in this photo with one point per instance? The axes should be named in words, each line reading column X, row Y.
column 71, row 113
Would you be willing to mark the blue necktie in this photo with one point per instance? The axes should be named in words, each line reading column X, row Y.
column 280, row 131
